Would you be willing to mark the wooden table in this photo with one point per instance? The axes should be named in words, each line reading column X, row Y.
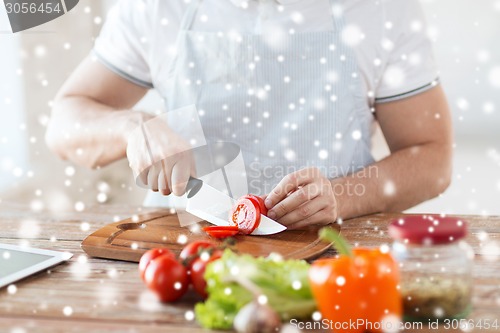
column 96, row 295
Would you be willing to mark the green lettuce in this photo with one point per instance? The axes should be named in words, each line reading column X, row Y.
column 283, row 282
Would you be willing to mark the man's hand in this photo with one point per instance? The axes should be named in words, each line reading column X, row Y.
column 303, row 198
column 160, row 157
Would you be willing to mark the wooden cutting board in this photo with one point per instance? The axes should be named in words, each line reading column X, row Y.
column 129, row 239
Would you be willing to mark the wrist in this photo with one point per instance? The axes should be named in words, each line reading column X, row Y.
column 338, row 188
column 129, row 122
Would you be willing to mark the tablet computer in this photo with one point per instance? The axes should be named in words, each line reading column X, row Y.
column 18, row 262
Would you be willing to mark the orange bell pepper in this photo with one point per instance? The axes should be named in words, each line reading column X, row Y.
column 359, row 290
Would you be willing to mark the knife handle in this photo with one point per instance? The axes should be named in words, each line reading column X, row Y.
column 193, row 186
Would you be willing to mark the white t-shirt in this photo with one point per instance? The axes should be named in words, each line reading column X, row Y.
column 389, row 37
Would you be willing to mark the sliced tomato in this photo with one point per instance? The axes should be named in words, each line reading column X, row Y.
column 260, row 202
column 219, row 234
column 221, row 231
column 246, row 214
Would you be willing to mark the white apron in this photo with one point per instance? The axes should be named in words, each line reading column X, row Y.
column 296, row 103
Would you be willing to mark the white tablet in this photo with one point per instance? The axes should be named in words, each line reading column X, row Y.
column 18, row 262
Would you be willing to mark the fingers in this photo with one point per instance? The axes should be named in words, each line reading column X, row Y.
column 163, row 185
column 153, row 151
column 144, row 177
column 288, row 184
column 169, row 176
column 141, row 173
column 180, row 175
column 294, row 200
column 302, row 198
column 303, row 211
column 322, row 217
column 193, row 169
column 152, row 181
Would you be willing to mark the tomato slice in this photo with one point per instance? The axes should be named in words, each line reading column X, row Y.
column 221, row 228
column 221, row 231
column 246, row 214
column 260, row 202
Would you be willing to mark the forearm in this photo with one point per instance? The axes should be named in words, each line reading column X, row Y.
column 398, row 182
column 89, row 133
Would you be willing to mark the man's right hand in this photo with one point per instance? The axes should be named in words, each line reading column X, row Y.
column 160, row 159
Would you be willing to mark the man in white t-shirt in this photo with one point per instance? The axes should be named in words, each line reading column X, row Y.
column 297, row 84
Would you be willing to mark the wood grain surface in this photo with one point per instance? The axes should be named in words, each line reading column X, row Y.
column 99, row 295
column 130, row 238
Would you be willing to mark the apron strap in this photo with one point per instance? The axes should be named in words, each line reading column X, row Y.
column 337, row 14
column 190, row 15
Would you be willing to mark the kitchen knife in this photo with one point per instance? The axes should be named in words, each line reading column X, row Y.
column 213, row 206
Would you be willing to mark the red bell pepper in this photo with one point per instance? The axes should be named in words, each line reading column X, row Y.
column 359, row 290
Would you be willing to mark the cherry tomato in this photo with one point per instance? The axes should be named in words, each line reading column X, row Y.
column 150, row 255
column 198, row 272
column 246, row 214
column 260, row 202
column 192, row 250
column 167, row 278
column 221, row 231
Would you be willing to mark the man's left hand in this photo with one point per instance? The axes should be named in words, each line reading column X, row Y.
column 302, row 198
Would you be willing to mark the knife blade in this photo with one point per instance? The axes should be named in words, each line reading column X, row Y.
column 212, row 205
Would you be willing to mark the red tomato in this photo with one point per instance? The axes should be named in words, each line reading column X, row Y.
column 221, row 231
column 260, row 202
column 246, row 214
column 192, row 250
column 198, row 272
column 167, row 278
column 150, row 255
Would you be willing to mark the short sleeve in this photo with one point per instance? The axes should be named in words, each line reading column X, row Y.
column 411, row 66
column 122, row 45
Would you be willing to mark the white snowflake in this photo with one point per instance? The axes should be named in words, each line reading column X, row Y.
column 356, row 134
column 189, row 315
column 389, row 188
column 67, row 311
column 69, row 171
column 416, row 25
column 488, row 107
column 323, row 154
column 40, row 51
column 84, row 226
column 340, row 281
column 12, row 289
column 316, row 316
column 462, row 104
column 394, row 76
column 415, row 59
column 297, row 17
column 29, row 228
column 290, row 155
column 352, row 35
column 80, row 269
column 79, row 206
column 494, row 76
column 483, row 56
